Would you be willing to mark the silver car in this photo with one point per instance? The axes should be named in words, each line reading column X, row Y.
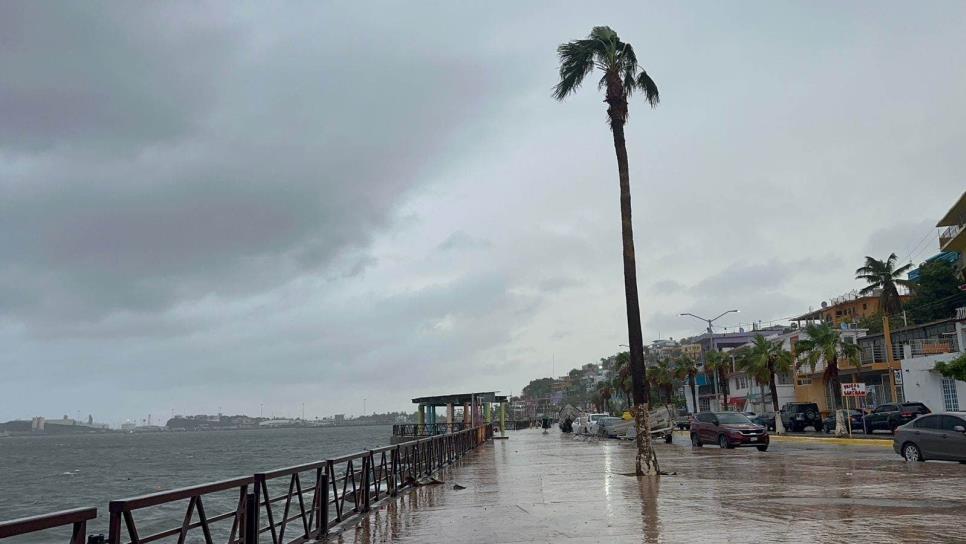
column 940, row 437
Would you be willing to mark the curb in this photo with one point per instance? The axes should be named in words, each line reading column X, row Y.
column 882, row 443
column 877, row 442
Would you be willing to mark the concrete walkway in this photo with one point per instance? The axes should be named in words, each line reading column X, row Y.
column 553, row 488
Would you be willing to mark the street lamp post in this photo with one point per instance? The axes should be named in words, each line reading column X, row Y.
column 711, row 343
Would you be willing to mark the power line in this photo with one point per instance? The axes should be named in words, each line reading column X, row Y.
column 932, row 230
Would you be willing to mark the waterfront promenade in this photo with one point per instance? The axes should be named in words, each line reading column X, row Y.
column 552, row 488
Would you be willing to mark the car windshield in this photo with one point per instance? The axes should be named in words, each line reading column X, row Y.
column 732, row 419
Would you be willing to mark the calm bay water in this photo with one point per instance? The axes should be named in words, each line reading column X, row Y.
column 40, row 474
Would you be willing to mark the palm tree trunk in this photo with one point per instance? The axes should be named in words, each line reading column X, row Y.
column 646, row 459
column 724, row 385
column 774, row 389
column 694, row 395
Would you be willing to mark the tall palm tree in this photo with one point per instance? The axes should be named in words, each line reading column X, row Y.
column 885, row 276
column 719, row 365
column 765, row 360
column 664, row 378
column 604, row 392
column 824, row 343
column 621, row 381
column 686, row 368
column 604, row 50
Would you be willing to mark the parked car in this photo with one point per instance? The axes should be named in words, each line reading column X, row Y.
column 828, row 424
column 585, row 422
column 890, row 416
column 606, row 426
column 728, row 430
column 682, row 420
column 941, row 437
column 765, row 420
column 798, row 415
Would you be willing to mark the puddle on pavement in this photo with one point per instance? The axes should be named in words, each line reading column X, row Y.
column 857, row 501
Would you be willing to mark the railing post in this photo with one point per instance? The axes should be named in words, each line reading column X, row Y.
column 323, row 514
column 79, row 532
column 250, row 535
column 114, row 525
column 366, row 469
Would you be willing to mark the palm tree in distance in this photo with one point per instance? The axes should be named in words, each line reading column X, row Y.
column 686, row 368
column 885, row 276
column 604, row 50
column 824, row 343
column 766, row 359
column 718, row 364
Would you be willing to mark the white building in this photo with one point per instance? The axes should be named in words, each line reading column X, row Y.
column 921, row 383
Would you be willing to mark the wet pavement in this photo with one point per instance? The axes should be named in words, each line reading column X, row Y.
column 554, row 488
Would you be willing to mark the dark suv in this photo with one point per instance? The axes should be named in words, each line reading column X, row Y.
column 887, row 417
column 728, row 430
column 798, row 415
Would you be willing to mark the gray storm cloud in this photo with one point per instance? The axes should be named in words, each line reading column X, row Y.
column 209, row 204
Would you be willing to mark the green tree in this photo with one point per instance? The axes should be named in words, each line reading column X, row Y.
column 686, row 368
column 885, row 276
column 621, row 381
column 664, row 379
column 936, row 294
column 604, row 393
column 719, row 365
column 604, row 50
column 824, row 343
column 540, row 388
column 955, row 369
column 764, row 360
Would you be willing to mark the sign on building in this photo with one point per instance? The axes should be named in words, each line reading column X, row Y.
column 853, row 389
column 898, row 377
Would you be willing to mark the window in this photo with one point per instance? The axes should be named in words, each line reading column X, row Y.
column 887, row 408
column 950, row 400
column 864, row 305
column 927, row 422
column 950, row 423
column 741, row 382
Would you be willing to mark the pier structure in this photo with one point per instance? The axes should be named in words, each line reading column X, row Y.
column 480, row 408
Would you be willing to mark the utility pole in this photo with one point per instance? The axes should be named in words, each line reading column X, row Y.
column 712, row 346
column 890, row 360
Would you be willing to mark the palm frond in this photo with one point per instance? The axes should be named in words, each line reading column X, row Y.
column 901, row 270
column 868, row 289
column 647, row 85
column 576, row 61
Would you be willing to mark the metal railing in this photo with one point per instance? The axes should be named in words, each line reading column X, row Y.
column 947, row 235
column 427, row 429
column 297, row 504
column 77, row 518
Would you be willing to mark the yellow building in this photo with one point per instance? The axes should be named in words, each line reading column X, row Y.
column 953, row 235
column 692, row 350
column 848, row 308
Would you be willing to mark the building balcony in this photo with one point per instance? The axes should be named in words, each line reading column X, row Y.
column 953, row 238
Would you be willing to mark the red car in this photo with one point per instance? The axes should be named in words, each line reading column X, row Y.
column 728, row 430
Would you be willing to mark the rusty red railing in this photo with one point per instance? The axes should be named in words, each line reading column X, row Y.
column 292, row 505
column 77, row 518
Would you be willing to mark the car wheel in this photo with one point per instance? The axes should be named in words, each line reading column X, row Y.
column 668, row 438
column 723, row 442
column 762, row 448
column 912, row 452
column 865, row 428
column 695, row 441
column 818, row 428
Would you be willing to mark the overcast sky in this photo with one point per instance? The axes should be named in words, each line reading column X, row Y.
column 217, row 205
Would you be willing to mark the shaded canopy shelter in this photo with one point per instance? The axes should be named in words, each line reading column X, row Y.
column 477, row 407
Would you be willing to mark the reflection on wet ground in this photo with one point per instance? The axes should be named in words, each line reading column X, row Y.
column 552, row 488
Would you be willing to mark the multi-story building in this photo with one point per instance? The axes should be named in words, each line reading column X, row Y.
column 848, row 308
column 952, row 237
